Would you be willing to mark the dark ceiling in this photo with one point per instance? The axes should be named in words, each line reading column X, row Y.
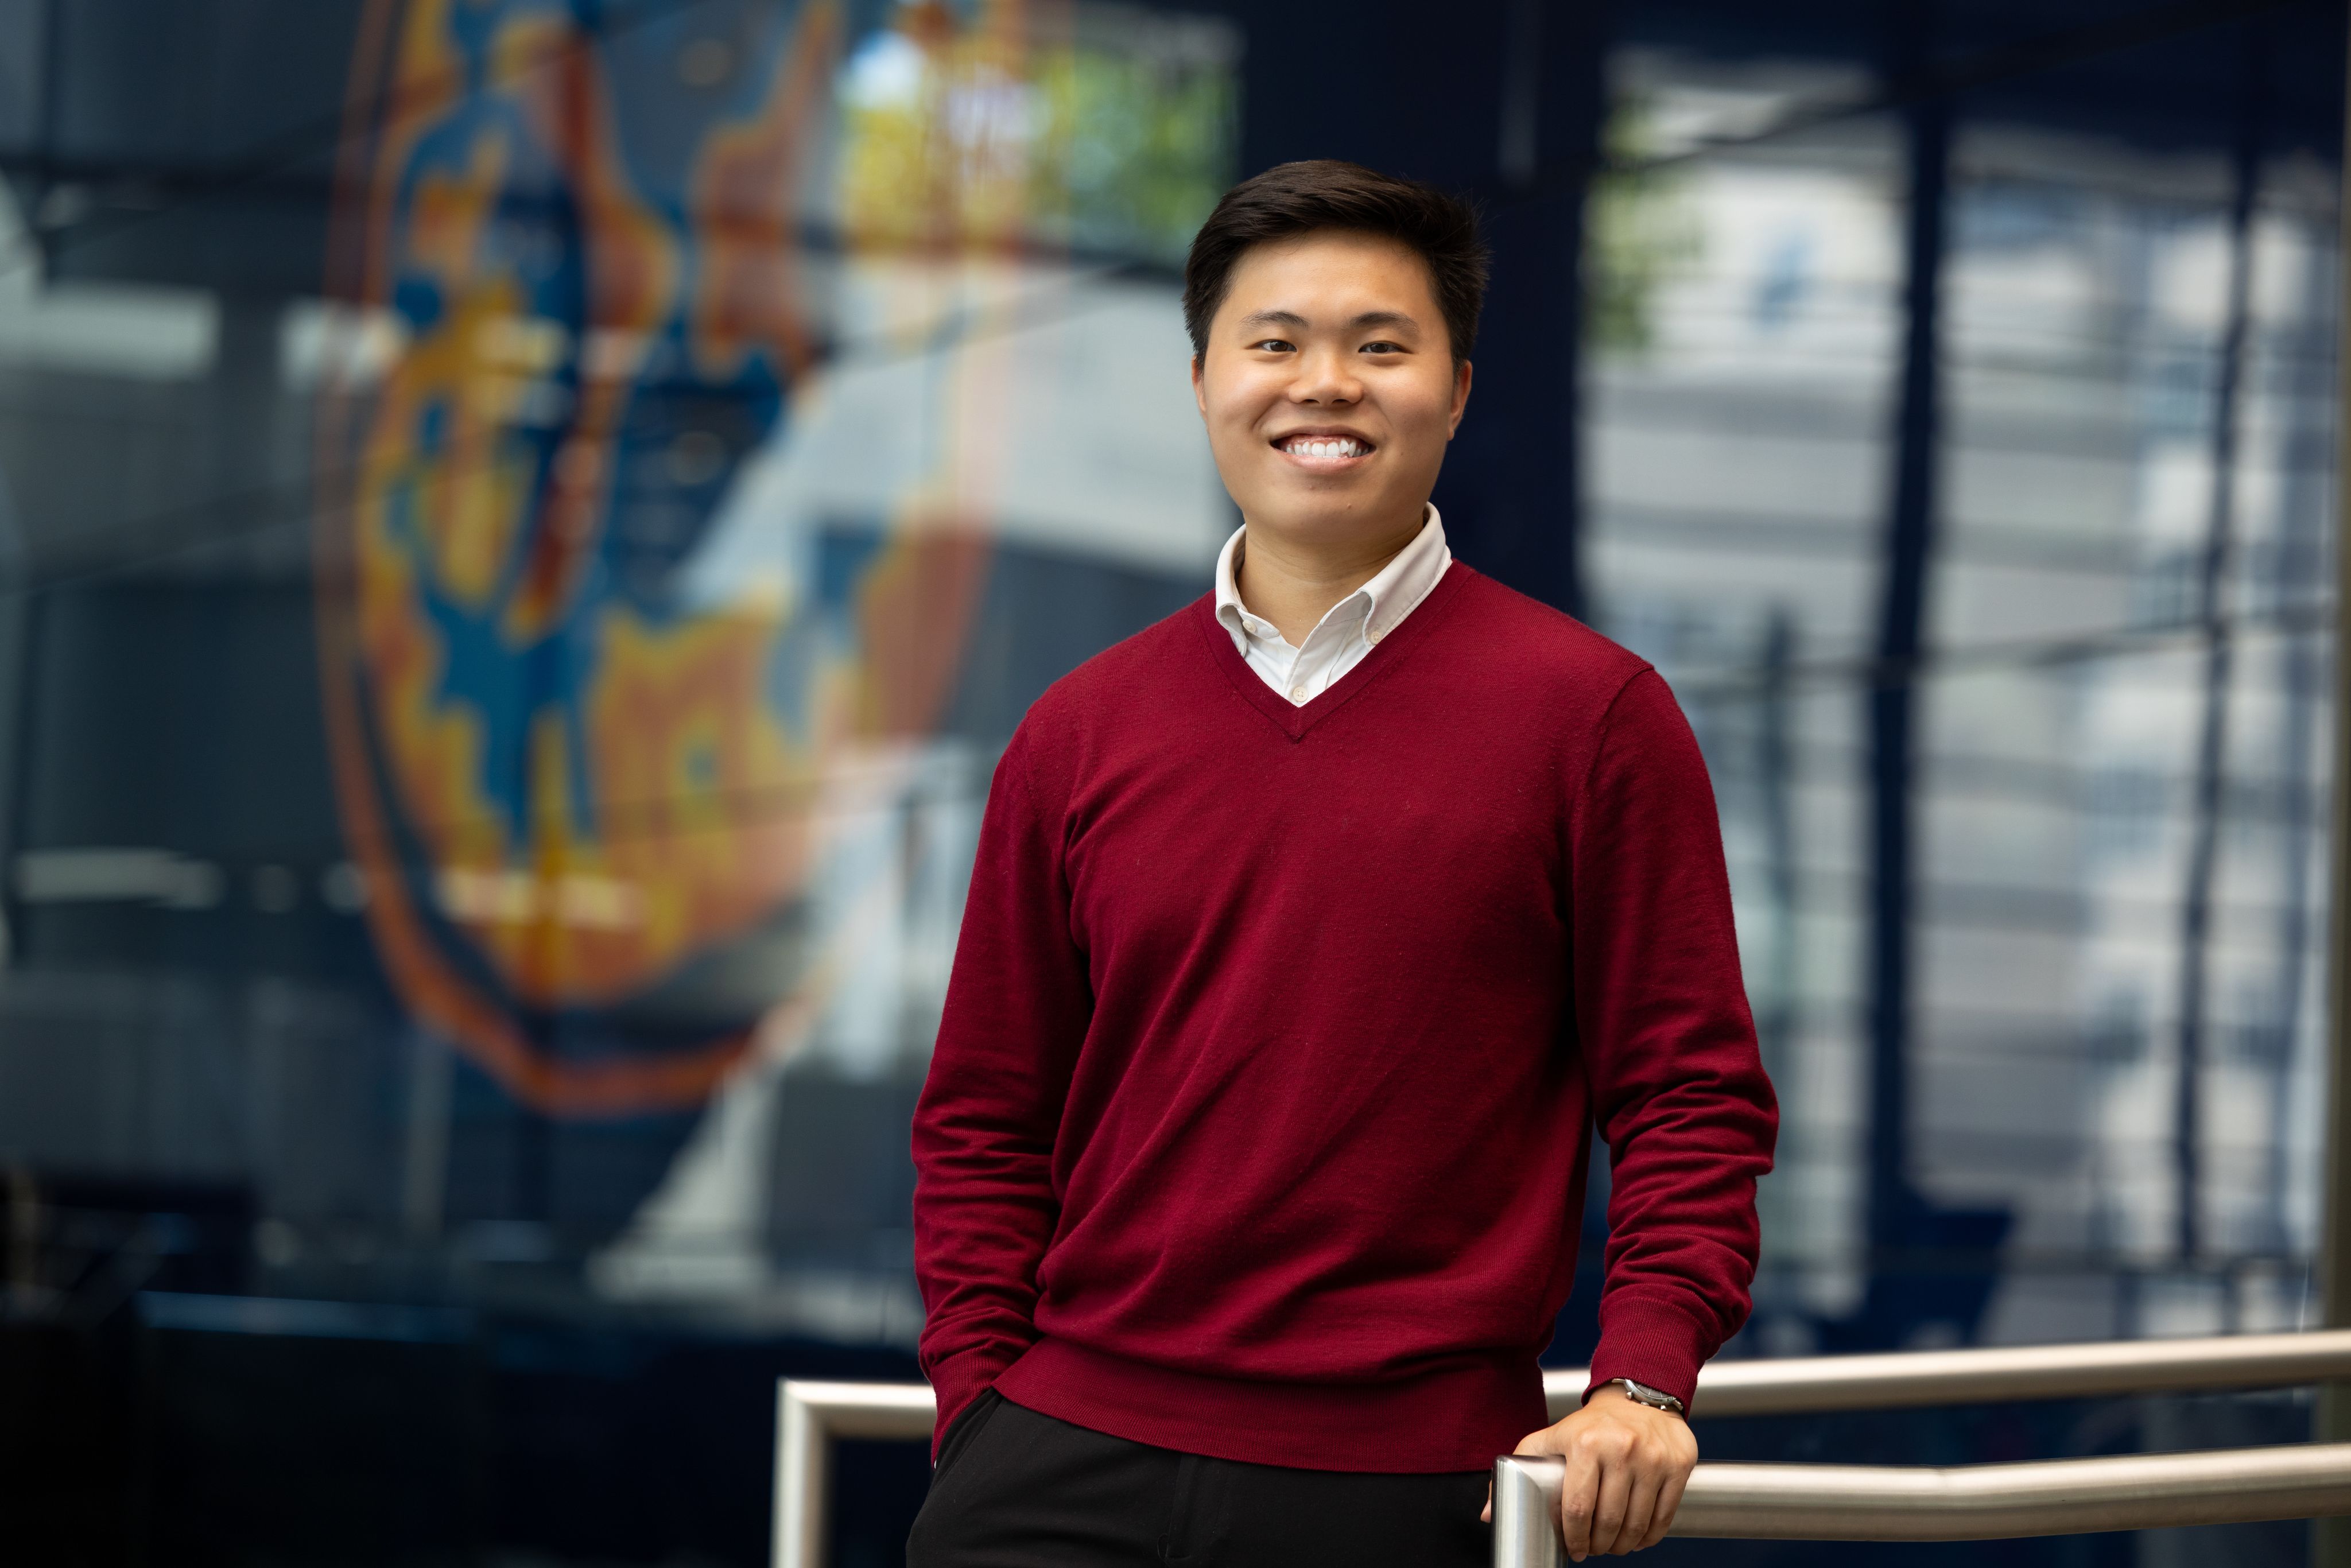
column 2167, row 75
column 195, row 139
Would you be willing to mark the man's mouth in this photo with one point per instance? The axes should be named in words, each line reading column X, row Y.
column 1322, row 450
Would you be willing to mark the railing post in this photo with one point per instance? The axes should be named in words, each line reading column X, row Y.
column 804, row 1471
column 1525, row 1510
column 810, row 1417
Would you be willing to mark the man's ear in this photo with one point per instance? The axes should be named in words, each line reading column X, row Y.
column 1460, row 397
column 1199, row 393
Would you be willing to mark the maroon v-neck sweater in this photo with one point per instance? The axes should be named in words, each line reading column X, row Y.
column 1257, row 1125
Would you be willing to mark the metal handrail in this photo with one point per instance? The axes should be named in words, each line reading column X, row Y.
column 1964, row 1502
column 1798, row 1386
column 810, row 1416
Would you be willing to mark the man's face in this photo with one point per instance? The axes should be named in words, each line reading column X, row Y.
column 1329, row 388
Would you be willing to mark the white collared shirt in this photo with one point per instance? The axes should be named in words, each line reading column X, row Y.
column 1348, row 629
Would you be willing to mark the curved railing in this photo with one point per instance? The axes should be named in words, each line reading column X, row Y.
column 1815, row 1502
column 1960, row 1502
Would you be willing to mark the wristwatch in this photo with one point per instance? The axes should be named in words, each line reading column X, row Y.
column 1642, row 1394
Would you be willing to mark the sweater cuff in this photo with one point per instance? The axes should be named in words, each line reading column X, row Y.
column 962, row 1378
column 1655, row 1340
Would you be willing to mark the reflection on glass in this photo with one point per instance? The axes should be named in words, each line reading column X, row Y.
column 714, row 425
column 2117, row 780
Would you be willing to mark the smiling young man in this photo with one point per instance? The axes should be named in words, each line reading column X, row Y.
column 1312, row 932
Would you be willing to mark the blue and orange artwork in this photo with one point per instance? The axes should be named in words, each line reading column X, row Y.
column 575, row 791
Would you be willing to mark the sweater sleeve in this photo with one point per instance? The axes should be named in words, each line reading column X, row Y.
column 1676, row 1080
column 1017, row 1004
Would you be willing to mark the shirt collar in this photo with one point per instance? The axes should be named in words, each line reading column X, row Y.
column 1386, row 599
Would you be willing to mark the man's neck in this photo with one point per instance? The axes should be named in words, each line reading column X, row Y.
column 1294, row 585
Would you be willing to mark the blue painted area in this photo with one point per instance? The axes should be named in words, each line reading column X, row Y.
column 505, row 685
column 790, row 680
column 842, row 556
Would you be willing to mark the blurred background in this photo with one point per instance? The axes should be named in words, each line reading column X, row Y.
column 525, row 524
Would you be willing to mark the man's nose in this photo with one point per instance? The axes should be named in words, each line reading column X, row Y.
column 1325, row 378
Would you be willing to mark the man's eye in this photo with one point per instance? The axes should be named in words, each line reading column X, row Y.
column 1382, row 348
column 1275, row 344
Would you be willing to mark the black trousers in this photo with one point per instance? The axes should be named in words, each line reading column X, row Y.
column 1017, row 1489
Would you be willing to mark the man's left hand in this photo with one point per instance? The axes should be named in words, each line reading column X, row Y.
column 1626, row 1465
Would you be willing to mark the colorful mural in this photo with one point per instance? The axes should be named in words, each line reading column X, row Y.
column 577, row 774
column 564, row 786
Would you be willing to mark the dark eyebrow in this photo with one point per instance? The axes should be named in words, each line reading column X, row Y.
column 1292, row 318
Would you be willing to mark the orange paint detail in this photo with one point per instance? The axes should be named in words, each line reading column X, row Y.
column 632, row 265
column 742, row 201
column 660, row 808
column 914, row 610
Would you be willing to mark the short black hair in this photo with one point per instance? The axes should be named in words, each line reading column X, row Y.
column 1292, row 199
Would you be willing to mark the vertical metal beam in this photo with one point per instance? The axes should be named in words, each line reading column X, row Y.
column 15, row 699
column 2219, row 660
column 1517, row 151
column 1514, row 479
column 1893, row 696
column 1774, row 772
column 22, row 609
column 2331, row 1538
column 425, row 1165
column 2304, row 509
column 1778, row 1013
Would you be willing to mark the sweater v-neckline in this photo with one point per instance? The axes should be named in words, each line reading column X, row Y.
column 1296, row 720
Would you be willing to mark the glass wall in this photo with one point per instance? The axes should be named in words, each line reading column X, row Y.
column 526, row 524
column 584, row 617
column 2088, row 795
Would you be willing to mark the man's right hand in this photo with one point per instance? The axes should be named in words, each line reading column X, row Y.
column 1626, row 1465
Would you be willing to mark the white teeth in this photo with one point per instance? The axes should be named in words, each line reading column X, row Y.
column 1307, row 446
